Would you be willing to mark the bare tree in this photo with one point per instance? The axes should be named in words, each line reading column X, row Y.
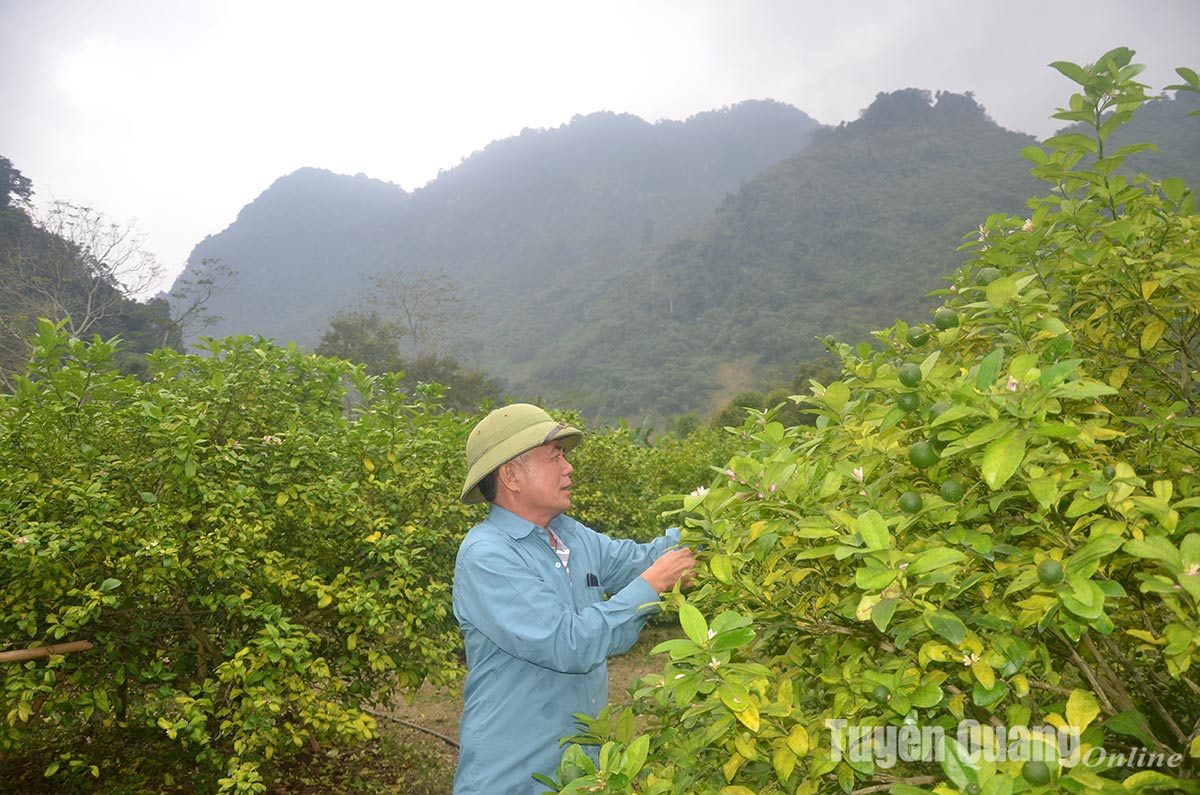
column 189, row 301
column 428, row 308
column 83, row 270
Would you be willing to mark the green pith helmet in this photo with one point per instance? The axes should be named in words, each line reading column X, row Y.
column 506, row 433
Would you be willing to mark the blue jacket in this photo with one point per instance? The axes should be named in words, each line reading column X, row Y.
column 537, row 640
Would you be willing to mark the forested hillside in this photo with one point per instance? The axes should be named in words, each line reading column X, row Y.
column 508, row 217
column 836, row 239
column 71, row 265
column 841, row 239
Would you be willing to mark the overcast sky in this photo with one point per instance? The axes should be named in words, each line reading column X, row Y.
column 175, row 115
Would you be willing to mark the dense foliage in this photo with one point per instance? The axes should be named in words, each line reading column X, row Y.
column 993, row 527
column 257, row 542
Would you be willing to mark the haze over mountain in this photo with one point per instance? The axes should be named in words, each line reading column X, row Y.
column 506, row 219
column 624, row 267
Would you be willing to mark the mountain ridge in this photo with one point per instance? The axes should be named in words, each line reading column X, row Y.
column 606, row 282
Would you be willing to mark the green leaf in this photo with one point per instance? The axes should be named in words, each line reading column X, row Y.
column 1191, row 79
column 881, row 613
column 1072, row 72
column 1174, row 189
column 1074, row 142
column 874, row 578
column 693, row 624
column 989, row 370
column 733, row 639
column 956, row 765
column 1034, row 154
column 1001, row 291
column 948, row 625
column 873, row 530
column 927, row 695
column 1132, row 723
column 932, row 559
column 986, row 433
column 635, row 755
column 1002, row 457
column 111, row 583
column 1157, row 548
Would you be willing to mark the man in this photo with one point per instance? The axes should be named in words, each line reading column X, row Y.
column 529, row 588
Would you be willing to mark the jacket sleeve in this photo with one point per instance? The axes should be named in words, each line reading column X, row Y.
column 500, row 596
column 623, row 561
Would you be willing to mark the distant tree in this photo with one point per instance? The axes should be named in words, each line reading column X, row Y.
column 189, row 302
column 362, row 336
column 15, row 187
column 73, row 266
column 382, row 344
column 427, row 310
column 77, row 267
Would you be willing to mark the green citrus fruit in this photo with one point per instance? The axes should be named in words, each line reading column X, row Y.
column 881, row 694
column 910, row 374
column 908, row 401
column 917, row 336
column 987, row 276
column 1050, row 572
column 951, row 491
column 945, row 318
column 910, row 502
column 1036, row 772
column 922, row 455
column 971, row 789
column 1110, row 472
column 937, row 409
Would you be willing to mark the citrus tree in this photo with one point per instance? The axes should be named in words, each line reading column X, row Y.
column 980, row 571
column 255, row 544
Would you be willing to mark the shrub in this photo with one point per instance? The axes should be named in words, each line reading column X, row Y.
column 254, row 555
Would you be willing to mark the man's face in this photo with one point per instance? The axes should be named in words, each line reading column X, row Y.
column 546, row 480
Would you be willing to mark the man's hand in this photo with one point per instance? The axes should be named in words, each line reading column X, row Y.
column 676, row 566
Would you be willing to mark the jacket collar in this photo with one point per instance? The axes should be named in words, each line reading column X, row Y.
column 514, row 526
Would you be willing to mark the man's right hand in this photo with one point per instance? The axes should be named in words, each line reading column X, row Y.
column 675, row 566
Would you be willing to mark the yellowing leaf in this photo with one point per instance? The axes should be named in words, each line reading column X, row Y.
column 749, row 717
column 984, row 674
column 797, row 740
column 721, row 568
column 368, row 464
column 1148, row 288
column 1117, row 377
column 1081, row 709
column 1152, row 333
column 1002, row 458
column 730, row 769
column 784, row 762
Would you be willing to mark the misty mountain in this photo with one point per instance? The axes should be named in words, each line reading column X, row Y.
column 510, row 217
column 627, row 268
column 841, row 238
